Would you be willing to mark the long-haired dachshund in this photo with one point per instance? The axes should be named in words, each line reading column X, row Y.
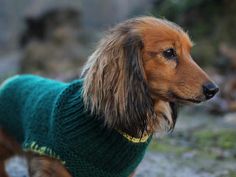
column 101, row 124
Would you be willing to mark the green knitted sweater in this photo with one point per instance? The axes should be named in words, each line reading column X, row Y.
column 48, row 117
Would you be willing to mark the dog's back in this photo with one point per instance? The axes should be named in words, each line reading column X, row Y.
column 9, row 108
column 21, row 97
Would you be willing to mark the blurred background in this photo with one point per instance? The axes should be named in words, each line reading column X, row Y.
column 53, row 38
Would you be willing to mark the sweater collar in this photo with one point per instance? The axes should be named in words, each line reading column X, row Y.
column 132, row 139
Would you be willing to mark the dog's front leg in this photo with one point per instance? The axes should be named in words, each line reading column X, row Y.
column 8, row 147
column 42, row 166
column 132, row 175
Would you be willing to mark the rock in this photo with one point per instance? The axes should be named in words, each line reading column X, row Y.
column 218, row 105
column 189, row 154
column 43, row 25
column 230, row 118
column 229, row 53
column 225, row 100
column 51, row 45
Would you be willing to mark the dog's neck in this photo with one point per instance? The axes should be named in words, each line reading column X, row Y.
column 164, row 121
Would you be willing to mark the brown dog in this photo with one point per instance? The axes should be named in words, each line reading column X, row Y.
column 137, row 74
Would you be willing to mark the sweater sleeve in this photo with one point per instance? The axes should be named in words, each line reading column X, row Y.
column 27, row 102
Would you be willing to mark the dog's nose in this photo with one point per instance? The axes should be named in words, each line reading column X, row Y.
column 209, row 90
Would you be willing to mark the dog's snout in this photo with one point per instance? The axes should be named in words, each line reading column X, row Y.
column 209, row 90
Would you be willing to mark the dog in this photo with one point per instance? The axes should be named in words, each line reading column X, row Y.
column 101, row 124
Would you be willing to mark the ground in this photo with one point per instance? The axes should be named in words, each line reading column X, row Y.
column 202, row 145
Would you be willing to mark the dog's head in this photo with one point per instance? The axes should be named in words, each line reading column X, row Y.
column 141, row 68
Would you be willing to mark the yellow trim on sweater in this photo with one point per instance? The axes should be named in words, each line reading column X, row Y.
column 34, row 147
column 133, row 139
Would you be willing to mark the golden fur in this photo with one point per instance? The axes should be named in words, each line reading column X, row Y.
column 130, row 82
column 138, row 72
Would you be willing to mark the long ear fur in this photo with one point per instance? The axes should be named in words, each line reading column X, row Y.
column 174, row 115
column 114, row 81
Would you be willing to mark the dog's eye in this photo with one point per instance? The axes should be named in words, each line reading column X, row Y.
column 170, row 54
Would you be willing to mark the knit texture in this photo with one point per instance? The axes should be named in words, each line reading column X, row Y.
column 48, row 117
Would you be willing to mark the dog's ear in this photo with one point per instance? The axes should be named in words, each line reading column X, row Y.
column 139, row 105
column 114, row 81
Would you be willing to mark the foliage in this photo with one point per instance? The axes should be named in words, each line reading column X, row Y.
column 224, row 139
column 208, row 22
column 165, row 146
